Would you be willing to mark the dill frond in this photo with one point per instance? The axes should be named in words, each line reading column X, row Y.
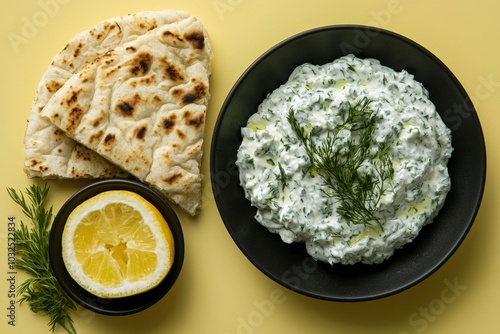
column 41, row 291
column 357, row 191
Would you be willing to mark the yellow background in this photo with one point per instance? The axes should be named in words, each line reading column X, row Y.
column 219, row 290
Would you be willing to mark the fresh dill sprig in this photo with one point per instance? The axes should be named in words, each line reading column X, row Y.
column 41, row 291
column 354, row 173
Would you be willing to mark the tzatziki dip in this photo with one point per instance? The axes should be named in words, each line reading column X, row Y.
column 349, row 157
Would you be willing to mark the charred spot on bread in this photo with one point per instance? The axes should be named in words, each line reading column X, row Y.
column 73, row 98
column 33, row 162
column 176, row 92
column 53, row 86
column 96, row 136
column 109, row 139
column 142, row 64
column 169, row 123
column 181, row 134
column 96, row 122
column 173, row 179
column 197, row 39
column 140, row 132
column 78, row 49
column 196, row 93
column 126, row 108
column 173, row 72
column 36, row 164
column 173, row 36
column 195, row 121
column 82, row 153
column 106, row 29
column 74, row 117
column 107, row 57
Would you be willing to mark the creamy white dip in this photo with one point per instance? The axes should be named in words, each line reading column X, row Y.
column 291, row 198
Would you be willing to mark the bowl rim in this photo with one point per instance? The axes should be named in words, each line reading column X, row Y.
column 216, row 138
column 126, row 305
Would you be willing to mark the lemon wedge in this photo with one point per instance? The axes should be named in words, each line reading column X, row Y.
column 117, row 244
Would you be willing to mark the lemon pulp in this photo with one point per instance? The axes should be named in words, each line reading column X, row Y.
column 117, row 244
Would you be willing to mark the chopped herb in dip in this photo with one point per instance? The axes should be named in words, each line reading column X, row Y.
column 349, row 157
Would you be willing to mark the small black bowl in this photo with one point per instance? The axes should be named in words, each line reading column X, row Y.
column 114, row 306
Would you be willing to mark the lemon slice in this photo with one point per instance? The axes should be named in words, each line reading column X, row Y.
column 117, row 244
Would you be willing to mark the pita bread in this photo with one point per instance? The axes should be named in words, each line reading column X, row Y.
column 142, row 107
column 49, row 153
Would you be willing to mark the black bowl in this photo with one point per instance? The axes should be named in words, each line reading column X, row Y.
column 290, row 265
column 114, row 306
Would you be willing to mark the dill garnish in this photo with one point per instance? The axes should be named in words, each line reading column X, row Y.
column 354, row 172
column 41, row 291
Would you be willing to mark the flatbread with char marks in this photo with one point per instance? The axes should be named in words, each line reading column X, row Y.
column 141, row 106
column 49, row 153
